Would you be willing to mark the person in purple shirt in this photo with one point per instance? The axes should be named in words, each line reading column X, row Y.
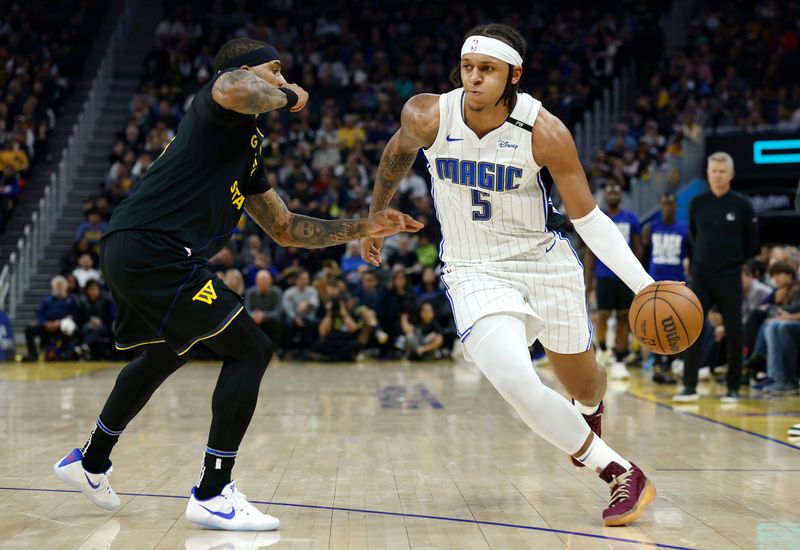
column 612, row 293
column 92, row 230
column 666, row 242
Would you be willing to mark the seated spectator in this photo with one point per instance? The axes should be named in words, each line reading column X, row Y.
column 371, row 294
column 95, row 319
column 428, row 288
column 234, row 280
column 260, row 261
column 263, row 303
column 424, row 340
column 427, row 252
column 252, row 248
column 85, row 271
column 339, row 332
column 400, row 305
column 352, row 261
column 92, row 230
column 785, row 298
column 50, row 318
column 300, row 303
column 782, row 334
column 69, row 261
column 405, row 257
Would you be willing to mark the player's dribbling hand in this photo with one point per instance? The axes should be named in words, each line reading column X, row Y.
column 302, row 96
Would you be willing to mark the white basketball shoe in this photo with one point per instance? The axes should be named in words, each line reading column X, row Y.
column 95, row 487
column 229, row 510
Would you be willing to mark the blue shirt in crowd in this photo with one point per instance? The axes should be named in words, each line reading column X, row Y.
column 53, row 309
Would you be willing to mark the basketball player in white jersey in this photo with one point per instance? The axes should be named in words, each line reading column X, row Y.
column 509, row 278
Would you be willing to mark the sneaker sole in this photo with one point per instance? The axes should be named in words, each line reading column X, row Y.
column 222, row 527
column 645, row 499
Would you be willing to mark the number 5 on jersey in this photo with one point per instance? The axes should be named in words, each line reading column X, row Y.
column 485, row 212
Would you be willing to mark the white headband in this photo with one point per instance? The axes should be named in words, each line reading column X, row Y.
column 493, row 47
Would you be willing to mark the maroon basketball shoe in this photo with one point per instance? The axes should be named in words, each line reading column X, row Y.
column 595, row 424
column 631, row 493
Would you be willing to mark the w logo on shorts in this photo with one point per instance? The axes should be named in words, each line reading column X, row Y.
column 206, row 294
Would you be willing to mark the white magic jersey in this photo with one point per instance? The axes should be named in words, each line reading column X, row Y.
column 499, row 256
column 489, row 196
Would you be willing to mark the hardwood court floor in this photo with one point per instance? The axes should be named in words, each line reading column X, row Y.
column 393, row 456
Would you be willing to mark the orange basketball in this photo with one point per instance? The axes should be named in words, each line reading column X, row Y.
column 666, row 317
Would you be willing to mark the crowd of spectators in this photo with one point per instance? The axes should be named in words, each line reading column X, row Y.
column 359, row 67
column 42, row 49
column 738, row 67
column 329, row 304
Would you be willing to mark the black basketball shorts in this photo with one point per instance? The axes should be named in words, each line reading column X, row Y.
column 163, row 293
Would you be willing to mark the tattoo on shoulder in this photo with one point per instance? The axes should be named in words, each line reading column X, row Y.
column 244, row 92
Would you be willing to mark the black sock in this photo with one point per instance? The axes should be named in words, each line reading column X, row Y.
column 621, row 355
column 98, row 447
column 215, row 475
column 602, row 346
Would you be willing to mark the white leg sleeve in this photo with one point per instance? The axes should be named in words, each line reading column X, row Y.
column 498, row 346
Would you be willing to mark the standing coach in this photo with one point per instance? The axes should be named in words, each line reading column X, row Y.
column 723, row 230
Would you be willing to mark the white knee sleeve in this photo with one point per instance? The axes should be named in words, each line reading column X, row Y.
column 499, row 348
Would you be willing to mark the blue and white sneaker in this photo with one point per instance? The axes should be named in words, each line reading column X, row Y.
column 94, row 486
column 229, row 510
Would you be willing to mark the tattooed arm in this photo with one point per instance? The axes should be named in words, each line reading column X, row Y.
column 245, row 92
column 289, row 229
column 419, row 124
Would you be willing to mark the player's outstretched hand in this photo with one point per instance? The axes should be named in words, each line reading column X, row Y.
column 389, row 221
column 302, row 96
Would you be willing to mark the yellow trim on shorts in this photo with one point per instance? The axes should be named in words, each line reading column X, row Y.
column 201, row 338
column 123, row 348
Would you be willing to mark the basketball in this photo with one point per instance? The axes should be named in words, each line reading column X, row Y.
column 666, row 317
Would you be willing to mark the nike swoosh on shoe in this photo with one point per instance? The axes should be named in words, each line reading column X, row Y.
column 228, row 515
column 92, row 485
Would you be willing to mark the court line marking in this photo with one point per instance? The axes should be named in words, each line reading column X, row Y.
column 384, row 513
column 771, row 470
column 712, row 420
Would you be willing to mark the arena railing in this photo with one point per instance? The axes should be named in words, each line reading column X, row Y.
column 671, row 175
column 23, row 262
column 597, row 124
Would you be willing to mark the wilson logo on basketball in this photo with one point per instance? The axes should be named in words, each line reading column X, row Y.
column 671, row 333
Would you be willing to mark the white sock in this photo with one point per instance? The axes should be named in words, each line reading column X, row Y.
column 585, row 409
column 599, row 455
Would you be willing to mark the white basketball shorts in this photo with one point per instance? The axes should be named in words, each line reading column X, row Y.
column 545, row 286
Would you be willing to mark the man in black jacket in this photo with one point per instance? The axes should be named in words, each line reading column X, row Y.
column 723, row 229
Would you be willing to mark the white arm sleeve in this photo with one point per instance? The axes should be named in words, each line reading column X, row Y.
column 603, row 238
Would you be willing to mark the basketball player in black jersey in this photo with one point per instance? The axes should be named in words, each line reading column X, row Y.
column 154, row 258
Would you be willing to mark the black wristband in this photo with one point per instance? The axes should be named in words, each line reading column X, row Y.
column 291, row 97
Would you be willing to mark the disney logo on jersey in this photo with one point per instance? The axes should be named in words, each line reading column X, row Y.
column 505, row 144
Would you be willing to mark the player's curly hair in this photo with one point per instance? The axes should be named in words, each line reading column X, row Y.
column 510, row 37
column 233, row 49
